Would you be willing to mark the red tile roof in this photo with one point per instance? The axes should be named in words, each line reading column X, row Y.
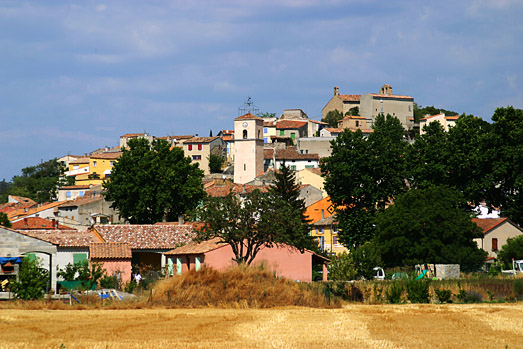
column 83, row 186
column 487, row 224
column 390, row 96
column 64, row 238
column 452, row 117
column 227, row 132
column 350, row 98
column 198, row 247
column 268, row 153
column 109, row 156
column 146, row 236
column 315, row 170
column 111, row 250
column 248, row 116
column 351, row 117
column 132, row 135
column 82, row 160
column 22, row 200
column 200, row 140
column 224, row 190
column 269, row 123
column 292, row 154
column 27, row 212
column 38, row 223
column 334, row 130
column 318, row 122
column 290, row 124
column 228, row 138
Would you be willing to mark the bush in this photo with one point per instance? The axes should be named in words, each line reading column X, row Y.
column 393, row 294
column 418, row 290
column 518, row 288
column 443, row 295
column 32, row 280
column 342, row 267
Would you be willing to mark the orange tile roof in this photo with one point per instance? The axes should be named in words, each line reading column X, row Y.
column 315, row 170
column 318, row 122
column 248, row 116
column 109, row 156
column 351, row 117
column 292, row 154
column 200, row 140
column 23, row 200
column 228, row 138
column 182, row 137
column 64, row 238
column 198, row 247
column 487, row 224
column 83, row 186
column 268, row 153
column 38, row 223
column 82, row 160
column 290, row 124
column 27, row 212
column 110, row 250
column 269, row 124
column 390, row 96
column 452, row 117
column 334, row 130
column 224, row 190
column 350, row 98
column 227, row 132
column 146, row 236
column 132, row 135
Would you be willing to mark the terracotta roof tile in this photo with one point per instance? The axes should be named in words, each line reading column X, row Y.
column 27, row 212
column 391, row 96
column 269, row 123
column 350, row 98
column 227, row 132
column 83, row 186
column 315, row 170
column 110, row 156
column 146, row 236
column 318, row 122
column 38, row 223
column 352, row 117
column 290, row 124
column 292, row 154
column 64, row 238
column 334, row 130
column 82, row 160
column 198, row 247
column 128, row 135
column 268, row 153
column 248, row 116
column 487, row 224
column 111, row 250
column 224, row 190
column 201, row 140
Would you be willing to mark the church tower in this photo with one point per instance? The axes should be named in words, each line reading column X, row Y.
column 248, row 148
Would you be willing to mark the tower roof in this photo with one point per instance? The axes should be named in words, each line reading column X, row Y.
column 248, row 116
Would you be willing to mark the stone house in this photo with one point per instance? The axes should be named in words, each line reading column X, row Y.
column 447, row 121
column 496, row 232
column 200, row 148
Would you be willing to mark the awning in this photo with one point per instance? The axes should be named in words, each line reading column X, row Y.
column 4, row 260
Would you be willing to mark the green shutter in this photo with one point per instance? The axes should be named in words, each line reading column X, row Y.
column 179, row 265
column 79, row 257
column 197, row 262
column 282, row 133
column 170, row 266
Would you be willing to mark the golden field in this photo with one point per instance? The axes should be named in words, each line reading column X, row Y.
column 352, row 326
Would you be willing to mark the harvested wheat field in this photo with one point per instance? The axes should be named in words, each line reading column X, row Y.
column 353, row 326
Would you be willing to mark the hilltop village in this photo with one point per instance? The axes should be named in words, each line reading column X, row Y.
column 82, row 225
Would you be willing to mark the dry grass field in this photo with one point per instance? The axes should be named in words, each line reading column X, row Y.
column 353, row 326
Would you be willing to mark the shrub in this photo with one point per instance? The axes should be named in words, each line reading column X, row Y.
column 342, row 267
column 393, row 294
column 32, row 280
column 418, row 290
column 462, row 295
column 518, row 288
column 354, row 294
column 443, row 295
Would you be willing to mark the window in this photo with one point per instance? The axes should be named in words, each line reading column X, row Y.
column 82, row 193
column 79, row 257
column 381, row 108
column 244, row 134
column 410, row 107
column 282, row 133
column 259, row 134
column 265, row 140
column 306, row 151
column 189, row 147
column 198, row 263
column 76, row 167
column 196, row 157
column 494, row 244
column 293, row 167
column 293, row 135
column 200, row 146
column 111, row 163
column 322, row 230
column 244, row 167
column 94, row 163
column 334, row 240
column 265, row 130
column 68, row 194
column 309, row 166
column 357, row 123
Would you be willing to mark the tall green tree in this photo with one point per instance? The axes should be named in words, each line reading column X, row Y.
column 4, row 220
column 151, row 182
column 506, row 153
column 429, row 226
column 333, row 117
column 513, row 249
column 32, row 280
column 363, row 175
column 248, row 224
column 215, row 163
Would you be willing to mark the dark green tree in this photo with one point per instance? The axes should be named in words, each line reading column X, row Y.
column 513, row 249
column 363, row 175
column 266, row 115
column 32, row 280
column 428, row 226
column 258, row 220
column 333, row 117
column 151, row 183
column 355, row 111
column 421, row 112
column 215, row 163
column 506, row 154
column 4, row 191
column 90, row 273
column 285, row 189
column 4, row 220
column 40, row 182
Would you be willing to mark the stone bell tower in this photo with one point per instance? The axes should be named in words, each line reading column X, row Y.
column 248, row 148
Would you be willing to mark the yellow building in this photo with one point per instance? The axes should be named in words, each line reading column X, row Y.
column 100, row 166
column 325, row 232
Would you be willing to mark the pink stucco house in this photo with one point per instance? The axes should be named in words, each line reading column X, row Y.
column 284, row 260
column 115, row 258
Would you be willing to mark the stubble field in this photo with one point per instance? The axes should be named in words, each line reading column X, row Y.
column 353, row 326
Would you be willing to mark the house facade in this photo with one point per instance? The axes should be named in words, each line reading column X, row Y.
column 325, row 232
column 342, row 103
column 496, row 233
column 295, row 160
column 200, row 148
column 313, row 177
column 447, row 121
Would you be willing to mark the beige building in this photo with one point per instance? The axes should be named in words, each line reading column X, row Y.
column 127, row 137
column 269, row 130
column 342, row 103
column 352, row 122
column 199, row 149
column 447, row 121
column 315, row 145
column 248, row 148
column 312, row 176
column 496, row 232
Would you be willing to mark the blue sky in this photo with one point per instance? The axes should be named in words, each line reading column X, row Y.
column 75, row 75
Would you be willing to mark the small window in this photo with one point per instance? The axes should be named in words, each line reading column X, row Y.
column 200, row 146
column 334, row 240
column 282, row 133
column 410, row 107
column 293, row 167
column 306, row 151
column 381, row 108
column 189, row 147
column 494, row 244
column 111, row 163
column 76, row 167
column 293, row 135
column 94, row 163
column 357, row 123
column 259, row 134
column 265, row 130
column 244, row 167
column 82, row 193
column 196, row 157
column 68, row 194
column 321, row 230
column 244, row 134
column 265, row 140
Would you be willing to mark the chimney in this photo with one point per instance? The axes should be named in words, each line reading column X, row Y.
column 180, row 220
column 336, row 91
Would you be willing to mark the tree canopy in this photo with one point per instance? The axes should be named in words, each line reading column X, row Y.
column 333, row 117
column 363, row 174
column 32, row 280
column 428, row 226
column 250, row 223
column 513, row 249
column 151, row 182
column 4, row 220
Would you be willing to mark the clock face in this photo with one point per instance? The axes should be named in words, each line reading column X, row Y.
column 244, row 124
